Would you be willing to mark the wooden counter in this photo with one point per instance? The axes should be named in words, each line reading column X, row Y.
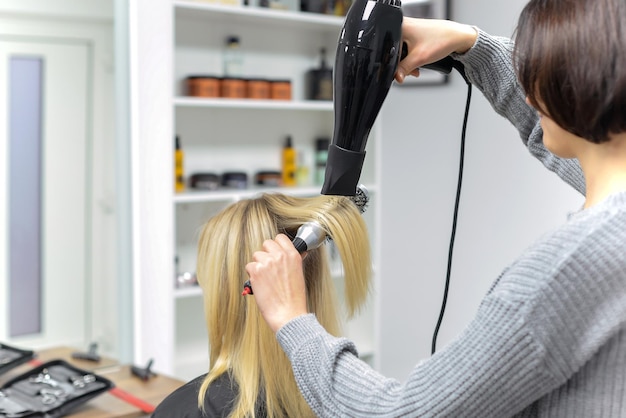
column 109, row 404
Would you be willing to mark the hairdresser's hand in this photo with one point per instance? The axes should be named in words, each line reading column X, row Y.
column 278, row 281
column 429, row 40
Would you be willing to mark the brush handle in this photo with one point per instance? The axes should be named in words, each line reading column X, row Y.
column 310, row 235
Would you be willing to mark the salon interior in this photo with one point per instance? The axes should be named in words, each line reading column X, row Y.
column 126, row 124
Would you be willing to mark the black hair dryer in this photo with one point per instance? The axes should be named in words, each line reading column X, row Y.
column 370, row 47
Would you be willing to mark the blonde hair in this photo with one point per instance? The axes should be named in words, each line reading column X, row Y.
column 240, row 342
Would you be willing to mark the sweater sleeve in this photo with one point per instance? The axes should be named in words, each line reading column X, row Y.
column 489, row 67
column 493, row 369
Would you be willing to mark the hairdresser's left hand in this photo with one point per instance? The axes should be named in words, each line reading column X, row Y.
column 278, row 281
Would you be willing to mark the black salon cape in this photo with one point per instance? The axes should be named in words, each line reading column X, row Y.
column 218, row 402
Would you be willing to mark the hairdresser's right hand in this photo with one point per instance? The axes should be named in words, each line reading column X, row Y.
column 429, row 40
column 278, row 281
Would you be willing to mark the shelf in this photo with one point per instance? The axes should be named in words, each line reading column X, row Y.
column 253, row 104
column 187, row 292
column 238, row 194
column 249, row 14
column 234, row 195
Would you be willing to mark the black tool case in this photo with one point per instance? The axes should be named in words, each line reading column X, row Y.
column 50, row 390
column 11, row 357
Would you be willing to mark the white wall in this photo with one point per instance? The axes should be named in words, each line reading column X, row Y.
column 93, row 9
column 508, row 200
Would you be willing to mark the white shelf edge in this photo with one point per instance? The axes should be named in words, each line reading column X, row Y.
column 308, row 105
column 262, row 13
column 187, row 292
column 234, row 195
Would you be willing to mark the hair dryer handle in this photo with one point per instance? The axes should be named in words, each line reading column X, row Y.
column 444, row 65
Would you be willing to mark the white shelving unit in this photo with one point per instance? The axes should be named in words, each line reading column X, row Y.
column 219, row 135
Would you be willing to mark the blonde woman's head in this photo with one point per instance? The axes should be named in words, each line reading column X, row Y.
column 240, row 341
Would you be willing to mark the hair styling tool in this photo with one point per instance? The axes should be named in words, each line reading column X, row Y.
column 367, row 58
column 310, row 235
column 368, row 53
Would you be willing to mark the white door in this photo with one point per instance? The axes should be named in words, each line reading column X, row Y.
column 44, row 173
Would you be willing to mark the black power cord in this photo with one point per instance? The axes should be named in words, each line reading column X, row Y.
column 461, row 70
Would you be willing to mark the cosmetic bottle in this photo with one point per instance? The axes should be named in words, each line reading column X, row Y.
column 289, row 164
column 320, row 81
column 302, row 169
column 321, row 155
column 179, row 172
column 233, row 58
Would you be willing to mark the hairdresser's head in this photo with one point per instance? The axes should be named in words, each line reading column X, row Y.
column 571, row 61
column 241, row 343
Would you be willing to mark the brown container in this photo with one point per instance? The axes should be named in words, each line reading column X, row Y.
column 280, row 90
column 203, row 86
column 258, row 89
column 234, row 88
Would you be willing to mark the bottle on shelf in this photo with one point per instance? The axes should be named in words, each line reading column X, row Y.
column 302, row 169
column 321, row 155
column 320, row 80
column 179, row 170
column 338, row 8
column 289, row 165
column 233, row 58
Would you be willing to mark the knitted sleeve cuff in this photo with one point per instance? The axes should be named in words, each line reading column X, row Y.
column 306, row 330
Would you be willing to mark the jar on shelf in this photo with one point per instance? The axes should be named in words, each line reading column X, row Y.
column 203, row 86
column 233, row 88
column 280, row 90
column 258, row 88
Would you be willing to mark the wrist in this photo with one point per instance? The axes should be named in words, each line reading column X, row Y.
column 467, row 38
column 277, row 324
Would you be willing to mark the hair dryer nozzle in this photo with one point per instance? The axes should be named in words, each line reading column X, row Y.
column 343, row 170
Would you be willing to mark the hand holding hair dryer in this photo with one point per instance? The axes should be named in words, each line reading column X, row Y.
column 369, row 49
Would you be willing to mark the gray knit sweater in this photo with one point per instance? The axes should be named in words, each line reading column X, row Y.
column 549, row 338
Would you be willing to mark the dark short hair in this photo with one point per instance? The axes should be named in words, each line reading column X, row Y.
column 570, row 58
